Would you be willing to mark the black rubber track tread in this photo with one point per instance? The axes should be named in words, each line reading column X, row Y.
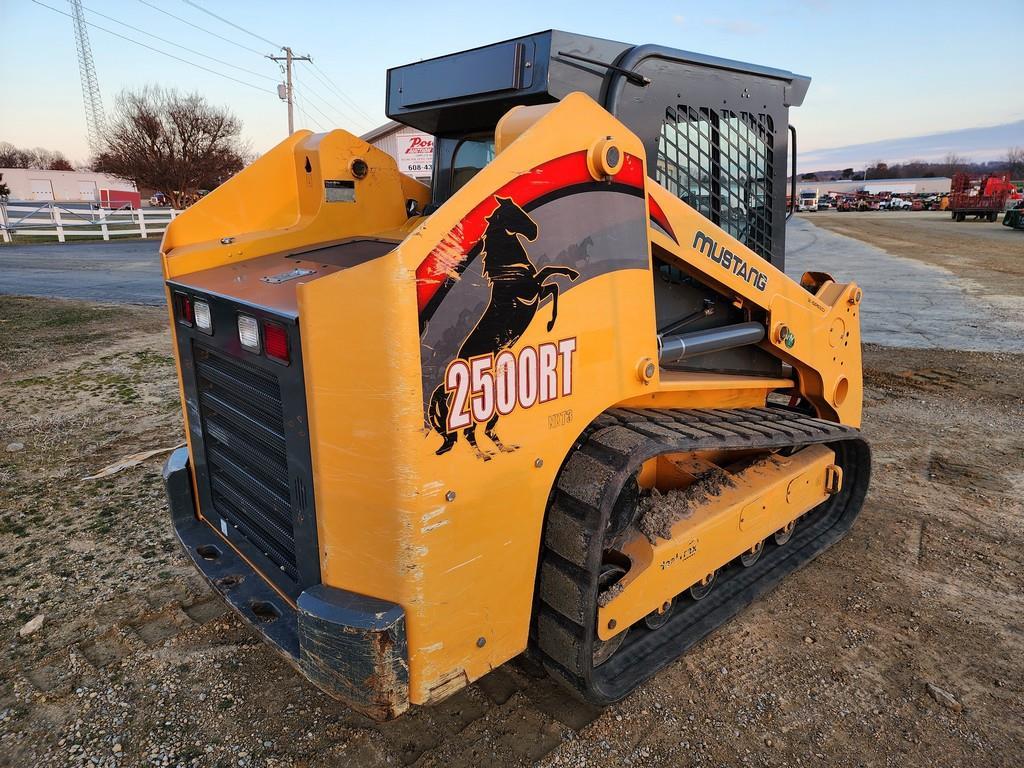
column 606, row 457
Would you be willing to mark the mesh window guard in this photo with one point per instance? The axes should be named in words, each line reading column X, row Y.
column 720, row 164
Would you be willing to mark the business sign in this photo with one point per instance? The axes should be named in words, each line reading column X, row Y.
column 415, row 154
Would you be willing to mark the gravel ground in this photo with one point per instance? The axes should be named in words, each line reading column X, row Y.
column 986, row 253
column 899, row 646
column 911, row 301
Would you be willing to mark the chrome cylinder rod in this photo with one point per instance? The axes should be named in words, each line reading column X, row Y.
column 675, row 348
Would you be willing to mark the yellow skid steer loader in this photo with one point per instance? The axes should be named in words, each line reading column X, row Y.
column 564, row 400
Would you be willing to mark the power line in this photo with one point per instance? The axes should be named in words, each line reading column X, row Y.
column 326, row 80
column 345, row 117
column 302, row 102
column 305, row 115
column 314, row 106
column 182, row 47
column 231, row 23
column 157, row 50
column 322, row 76
column 202, row 29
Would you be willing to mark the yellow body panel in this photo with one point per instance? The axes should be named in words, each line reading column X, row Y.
column 452, row 538
column 463, row 569
column 761, row 500
column 276, row 204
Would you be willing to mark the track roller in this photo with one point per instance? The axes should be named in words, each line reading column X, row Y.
column 658, row 619
column 783, row 535
column 703, row 588
column 752, row 555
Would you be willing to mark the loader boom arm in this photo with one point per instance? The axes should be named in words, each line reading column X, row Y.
column 813, row 325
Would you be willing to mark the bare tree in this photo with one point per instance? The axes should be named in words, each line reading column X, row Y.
column 914, row 169
column 1015, row 162
column 880, row 170
column 37, row 158
column 174, row 143
column 953, row 163
column 13, row 157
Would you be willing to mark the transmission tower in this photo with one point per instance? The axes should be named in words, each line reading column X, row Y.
column 94, row 118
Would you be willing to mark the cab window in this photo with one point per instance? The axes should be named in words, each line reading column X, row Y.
column 470, row 156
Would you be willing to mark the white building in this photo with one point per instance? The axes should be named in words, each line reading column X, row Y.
column 413, row 150
column 938, row 185
column 66, row 186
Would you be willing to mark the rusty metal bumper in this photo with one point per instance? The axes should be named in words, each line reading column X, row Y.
column 351, row 646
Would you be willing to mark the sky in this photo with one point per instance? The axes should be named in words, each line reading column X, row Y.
column 880, row 70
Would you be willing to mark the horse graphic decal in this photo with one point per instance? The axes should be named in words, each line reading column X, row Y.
column 517, row 289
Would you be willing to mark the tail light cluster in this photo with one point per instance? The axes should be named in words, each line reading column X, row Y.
column 255, row 336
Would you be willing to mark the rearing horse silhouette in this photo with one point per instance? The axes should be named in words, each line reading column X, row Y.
column 517, row 289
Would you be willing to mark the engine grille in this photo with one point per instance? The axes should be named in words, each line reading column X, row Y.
column 243, row 424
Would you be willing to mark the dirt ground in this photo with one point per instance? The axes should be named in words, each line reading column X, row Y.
column 137, row 663
column 987, row 252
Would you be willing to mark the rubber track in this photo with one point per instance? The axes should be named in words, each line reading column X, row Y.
column 583, row 504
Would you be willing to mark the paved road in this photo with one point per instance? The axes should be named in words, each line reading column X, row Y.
column 908, row 303
column 118, row 271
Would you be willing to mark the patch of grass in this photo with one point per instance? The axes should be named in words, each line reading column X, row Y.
column 45, row 330
column 33, row 381
column 28, row 314
column 16, row 527
column 144, row 359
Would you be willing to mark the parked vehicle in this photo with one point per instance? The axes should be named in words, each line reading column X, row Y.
column 1014, row 218
column 984, row 198
column 347, row 368
column 808, row 200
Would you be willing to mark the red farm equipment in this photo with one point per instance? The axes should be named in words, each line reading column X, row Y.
column 984, row 198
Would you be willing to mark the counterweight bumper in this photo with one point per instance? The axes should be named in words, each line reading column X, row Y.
column 351, row 646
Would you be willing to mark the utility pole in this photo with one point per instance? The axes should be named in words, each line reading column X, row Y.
column 287, row 88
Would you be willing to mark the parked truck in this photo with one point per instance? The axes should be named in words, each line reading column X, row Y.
column 808, row 200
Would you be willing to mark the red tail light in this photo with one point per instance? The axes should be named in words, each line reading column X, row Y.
column 185, row 311
column 275, row 342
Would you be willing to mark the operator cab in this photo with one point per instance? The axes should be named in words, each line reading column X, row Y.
column 714, row 131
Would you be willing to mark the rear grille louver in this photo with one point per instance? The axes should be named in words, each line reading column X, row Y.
column 247, row 460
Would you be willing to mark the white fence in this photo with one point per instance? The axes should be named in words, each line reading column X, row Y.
column 64, row 220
